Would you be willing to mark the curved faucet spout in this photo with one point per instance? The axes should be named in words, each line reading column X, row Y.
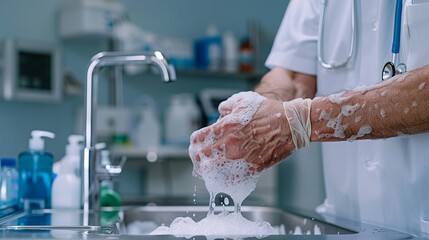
column 90, row 189
column 156, row 58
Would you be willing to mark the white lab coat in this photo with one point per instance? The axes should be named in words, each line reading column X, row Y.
column 384, row 182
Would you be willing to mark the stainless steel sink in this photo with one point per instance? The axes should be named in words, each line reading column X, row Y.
column 116, row 223
column 150, row 217
column 49, row 223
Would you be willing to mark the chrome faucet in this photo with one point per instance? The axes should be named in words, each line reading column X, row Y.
column 90, row 188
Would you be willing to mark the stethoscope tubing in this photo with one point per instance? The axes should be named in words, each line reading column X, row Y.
column 392, row 68
column 396, row 43
column 320, row 58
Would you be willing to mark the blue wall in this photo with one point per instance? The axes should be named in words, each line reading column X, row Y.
column 32, row 20
column 36, row 20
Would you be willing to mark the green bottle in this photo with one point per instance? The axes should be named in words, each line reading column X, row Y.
column 108, row 197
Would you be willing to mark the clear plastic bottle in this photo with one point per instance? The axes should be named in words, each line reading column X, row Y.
column 9, row 182
column 66, row 189
column 146, row 129
column 183, row 117
column 35, row 173
column 214, row 48
column 230, row 52
column 68, row 176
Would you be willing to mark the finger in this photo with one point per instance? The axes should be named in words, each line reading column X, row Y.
column 200, row 135
column 197, row 158
column 224, row 109
column 224, row 125
column 218, row 129
column 221, row 127
column 207, row 152
column 251, row 170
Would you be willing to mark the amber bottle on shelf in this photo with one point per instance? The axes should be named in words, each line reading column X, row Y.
column 246, row 56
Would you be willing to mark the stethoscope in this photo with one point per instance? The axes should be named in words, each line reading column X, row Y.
column 390, row 69
column 335, row 64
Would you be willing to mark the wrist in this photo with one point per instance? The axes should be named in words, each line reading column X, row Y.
column 297, row 113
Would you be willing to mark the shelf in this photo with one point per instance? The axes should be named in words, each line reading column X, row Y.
column 220, row 74
column 151, row 155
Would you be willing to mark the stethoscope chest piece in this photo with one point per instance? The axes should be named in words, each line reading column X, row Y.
column 389, row 70
column 401, row 68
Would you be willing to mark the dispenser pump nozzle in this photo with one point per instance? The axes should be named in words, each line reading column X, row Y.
column 74, row 147
column 100, row 146
column 36, row 143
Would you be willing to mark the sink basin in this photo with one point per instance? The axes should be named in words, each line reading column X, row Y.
column 148, row 218
column 49, row 223
column 143, row 220
column 122, row 223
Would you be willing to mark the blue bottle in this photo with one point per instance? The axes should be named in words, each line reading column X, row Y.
column 35, row 173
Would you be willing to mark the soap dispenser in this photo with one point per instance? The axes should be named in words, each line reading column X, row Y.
column 35, row 173
column 69, row 176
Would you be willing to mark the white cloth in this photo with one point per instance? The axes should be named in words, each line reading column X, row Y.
column 384, row 182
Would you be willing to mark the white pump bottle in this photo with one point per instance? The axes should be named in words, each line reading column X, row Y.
column 68, row 176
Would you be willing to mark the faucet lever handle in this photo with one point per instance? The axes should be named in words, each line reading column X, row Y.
column 116, row 169
column 123, row 161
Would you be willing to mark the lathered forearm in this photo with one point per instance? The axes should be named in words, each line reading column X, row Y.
column 391, row 108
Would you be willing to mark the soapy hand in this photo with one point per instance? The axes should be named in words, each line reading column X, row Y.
column 252, row 128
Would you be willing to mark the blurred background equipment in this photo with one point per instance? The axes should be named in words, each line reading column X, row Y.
column 30, row 70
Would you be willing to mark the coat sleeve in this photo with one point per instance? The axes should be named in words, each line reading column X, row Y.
column 295, row 45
